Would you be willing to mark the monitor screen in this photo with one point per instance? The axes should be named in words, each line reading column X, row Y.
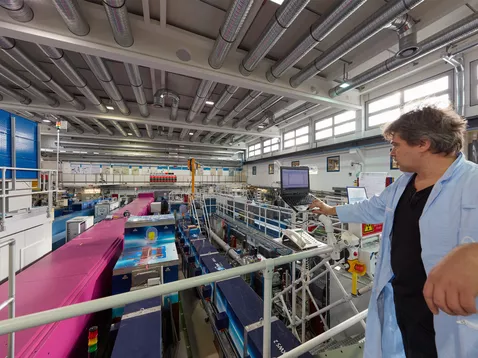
column 295, row 178
column 356, row 194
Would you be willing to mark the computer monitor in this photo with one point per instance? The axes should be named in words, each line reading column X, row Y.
column 294, row 179
column 356, row 194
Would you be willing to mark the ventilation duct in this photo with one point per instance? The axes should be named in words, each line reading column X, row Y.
column 368, row 28
column 225, row 97
column 237, row 140
column 10, row 75
column 102, row 126
column 304, row 109
column 202, row 94
column 9, row 47
column 117, row 14
column 135, row 129
column 159, row 97
column 238, row 108
column 195, row 135
column 14, row 94
column 58, row 57
column 453, row 33
column 235, row 17
column 81, row 123
column 170, row 133
column 316, row 34
column 207, row 137
column 183, row 134
column 103, row 75
column 25, row 114
column 263, row 106
column 278, row 24
column 459, row 100
column 268, row 116
column 226, row 139
column 119, row 128
column 72, row 16
column 407, row 35
column 17, row 10
column 136, row 82
column 218, row 138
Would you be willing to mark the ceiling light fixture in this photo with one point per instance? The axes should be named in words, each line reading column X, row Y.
column 111, row 108
column 62, row 151
column 130, row 133
column 191, row 133
column 209, row 103
column 75, row 152
column 96, row 153
column 344, row 85
column 46, row 121
column 278, row 1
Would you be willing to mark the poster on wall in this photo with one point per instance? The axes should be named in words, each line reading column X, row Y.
column 295, row 163
column 374, row 183
column 333, row 164
column 66, row 167
column 254, row 170
column 219, row 171
column 95, row 169
column 135, row 170
column 314, row 170
column 271, row 168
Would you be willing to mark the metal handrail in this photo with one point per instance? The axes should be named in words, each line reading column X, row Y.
column 10, row 302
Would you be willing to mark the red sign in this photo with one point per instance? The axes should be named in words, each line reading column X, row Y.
column 371, row 229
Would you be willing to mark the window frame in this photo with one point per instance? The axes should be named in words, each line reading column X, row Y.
column 401, row 90
column 333, row 126
column 294, row 138
column 254, row 150
column 473, row 83
column 270, row 145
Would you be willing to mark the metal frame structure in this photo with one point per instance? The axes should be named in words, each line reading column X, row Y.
column 10, row 302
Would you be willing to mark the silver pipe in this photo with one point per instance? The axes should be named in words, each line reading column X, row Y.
column 277, row 26
column 235, row 17
column 117, row 14
column 57, row 56
column 10, row 75
column 17, row 10
column 291, row 114
column 135, row 129
column 119, row 128
column 170, row 133
column 14, row 94
column 195, row 135
column 218, row 138
column 159, row 97
column 226, row 248
column 226, row 139
column 268, row 116
column 149, row 131
column 9, row 47
column 262, row 107
column 207, row 137
column 103, row 75
column 459, row 100
column 238, row 108
column 456, row 32
column 404, row 26
column 183, row 133
column 136, row 82
column 101, row 125
column 202, row 94
column 74, row 19
column 368, row 28
column 225, row 97
column 75, row 127
column 83, row 124
column 316, row 34
column 237, row 140
column 25, row 114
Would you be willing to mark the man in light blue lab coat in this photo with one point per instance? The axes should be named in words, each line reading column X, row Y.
column 423, row 303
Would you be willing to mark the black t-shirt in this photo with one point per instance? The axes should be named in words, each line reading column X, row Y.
column 413, row 315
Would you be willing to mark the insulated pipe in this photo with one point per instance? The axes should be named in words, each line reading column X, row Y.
column 262, row 107
column 268, row 116
column 9, row 74
column 183, row 133
column 404, row 26
column 277, row 26
column 202, row 94
column 368, row 28
column 159, row 101
column 250, row 97
column 195, row 135
column 83, row 124
column 135, row 129
column 291, row 114
column 459, row 100
column 57, row 56
column 226, row 138
column 117, row 14
column 170, row 133
column 229, row 250
column 235, row 17
column 218, row 138
column 316, row 34
column 149, row 131
column 456, row 32
column 119, row 128
column 17, row 10
column 72, row 16
column 225, row 97
column 237, row 140
column 136, row 82
column 14, row 94
column 103, row 75
column 101, row 125
column 207, row 137
column 9, row 47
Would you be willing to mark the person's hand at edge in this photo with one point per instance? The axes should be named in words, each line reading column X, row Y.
column 322, row 208
column 452, row 285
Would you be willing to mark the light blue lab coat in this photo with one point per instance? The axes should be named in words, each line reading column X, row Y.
column 449, row 219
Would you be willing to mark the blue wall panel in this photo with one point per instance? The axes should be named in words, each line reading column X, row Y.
column 5, row 142
column 26, row 147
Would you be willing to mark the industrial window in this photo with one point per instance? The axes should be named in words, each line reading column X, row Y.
column 270, row 145
column 298, row 136
column 339, row 124
column 254, row 150
column 474, row 83
column 436, row 91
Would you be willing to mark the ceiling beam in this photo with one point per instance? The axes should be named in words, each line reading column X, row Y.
column 163, row 53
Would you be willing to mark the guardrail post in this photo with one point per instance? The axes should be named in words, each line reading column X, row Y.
column 4, row 200
column 11, row 295
column 266, row 342
column 50, row 196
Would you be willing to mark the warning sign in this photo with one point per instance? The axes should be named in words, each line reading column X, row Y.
column 371, row 229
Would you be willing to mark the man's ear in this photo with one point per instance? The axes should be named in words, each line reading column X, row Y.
column 424, row 145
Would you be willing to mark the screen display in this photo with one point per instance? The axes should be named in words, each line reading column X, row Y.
column 356, row 194
column 295, row 179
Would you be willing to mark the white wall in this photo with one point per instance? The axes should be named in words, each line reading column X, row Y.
column 376, row 159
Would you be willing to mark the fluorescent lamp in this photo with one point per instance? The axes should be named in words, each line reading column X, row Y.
column 96, row 153
column 209, row 103
column 47, row 150
column 278, row 1
column 344, row 85
column 62, row 151
column 84, row 152
column 191, row 133
column 75, row 152
column 46, row 121
column 111, row 108
column 130, row 133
